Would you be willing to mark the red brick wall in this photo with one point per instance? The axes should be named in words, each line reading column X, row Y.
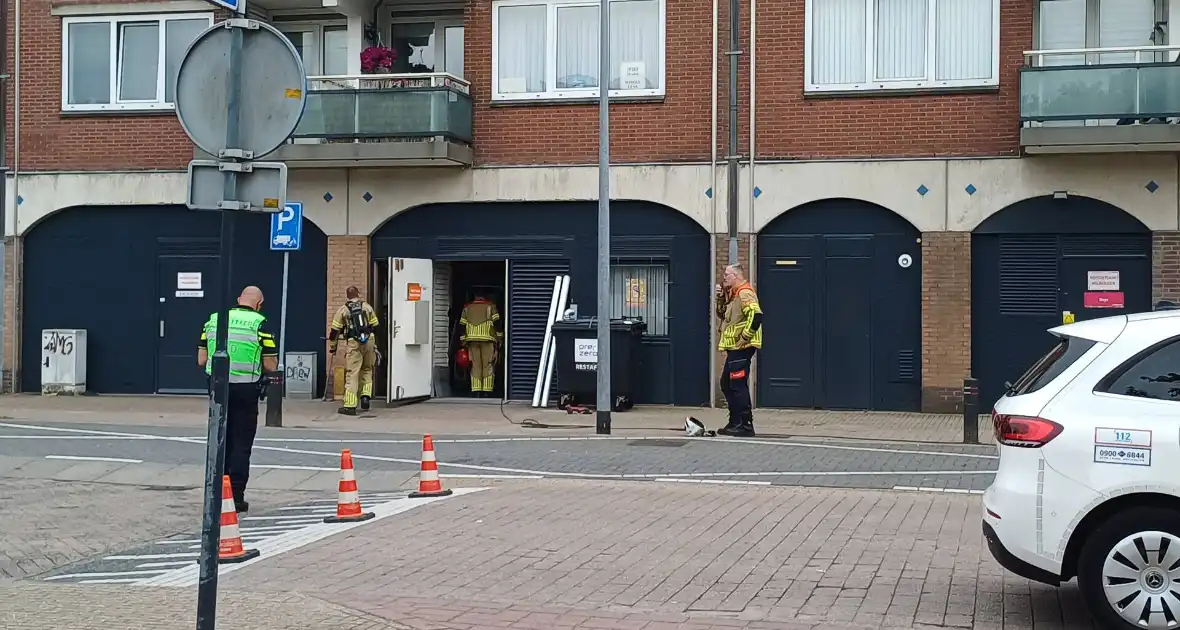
column 946, row 319
column 51, row 140
column 1165, row 266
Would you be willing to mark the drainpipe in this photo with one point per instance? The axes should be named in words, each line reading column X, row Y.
column 713, row 377
column 753, row 102
column 17, row 281
column 732, row 151
column 3, row 156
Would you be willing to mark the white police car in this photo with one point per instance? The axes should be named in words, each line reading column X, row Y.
column 1089, row 478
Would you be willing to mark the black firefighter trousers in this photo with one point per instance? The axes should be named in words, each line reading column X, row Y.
column 735, row 384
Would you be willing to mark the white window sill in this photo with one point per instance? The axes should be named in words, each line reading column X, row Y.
column 125, row 108
column 914, row 87
column 576, row 96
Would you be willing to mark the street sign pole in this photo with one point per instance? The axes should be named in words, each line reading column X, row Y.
column 219, row 399
column 237, row 127
column 286, row 235
column 603, row 406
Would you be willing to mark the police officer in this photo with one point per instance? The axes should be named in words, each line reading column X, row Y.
column 252, row 352
column 356, row 321
column 741, row 337
column 482, row 340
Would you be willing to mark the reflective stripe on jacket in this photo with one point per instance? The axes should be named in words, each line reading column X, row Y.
column 736, row 318
column 245, row 344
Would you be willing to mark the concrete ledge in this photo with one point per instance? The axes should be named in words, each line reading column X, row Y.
column 1103, row 139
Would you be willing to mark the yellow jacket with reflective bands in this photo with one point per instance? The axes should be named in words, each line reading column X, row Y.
column 737, row 315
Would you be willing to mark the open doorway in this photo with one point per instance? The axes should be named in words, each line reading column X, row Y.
column 469, row 280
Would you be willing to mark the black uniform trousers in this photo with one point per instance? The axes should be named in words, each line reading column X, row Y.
column 735, row 384
column 241, row 427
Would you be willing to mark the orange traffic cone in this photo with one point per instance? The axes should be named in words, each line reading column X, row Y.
column 429, row 484
column 231, row 550
column 348, row 503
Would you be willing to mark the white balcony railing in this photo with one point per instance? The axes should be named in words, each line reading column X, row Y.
column 386, row 107
column 1100, row 86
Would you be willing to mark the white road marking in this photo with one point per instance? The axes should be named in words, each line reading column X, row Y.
column 283, row 519
column 940, row 490
column 69, row 437
column 715, row 481
column 151, row 556
column 292, row 508
column 170, row 564
column 79, row 458
column 824, row 473
column 455, row 476
column 840, row 447
column 177, row 542
column 283, row 467
column 106, row 574
column 187, row 576
column 576, row 475
column 110, row 581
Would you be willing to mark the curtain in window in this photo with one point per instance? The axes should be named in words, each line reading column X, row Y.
column 964, row 40
column 521, row 49
column 641, row 291
column 1125, row 23
column 577, row 47
column 635, row 45
column 89, row 49
column 139, row 61
column 178, row 34
column 901, row 39
column 838, row 42
column 335, row 50
column 453, row 37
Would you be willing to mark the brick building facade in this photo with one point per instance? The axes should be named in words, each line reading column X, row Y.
column 945, row 159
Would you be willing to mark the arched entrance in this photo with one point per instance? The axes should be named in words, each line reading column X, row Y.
column 841, row 284
column 141, row 280
column 660, row 271
column 1033, row 264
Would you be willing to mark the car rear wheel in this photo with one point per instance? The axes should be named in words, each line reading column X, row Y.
column 1129, row 570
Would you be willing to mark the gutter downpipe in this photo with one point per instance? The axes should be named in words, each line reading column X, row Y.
column 753, row 270
column 732, row 158
column 17, row 283
column 713, row 377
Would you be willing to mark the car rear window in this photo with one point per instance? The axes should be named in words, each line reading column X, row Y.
column 1057, row 360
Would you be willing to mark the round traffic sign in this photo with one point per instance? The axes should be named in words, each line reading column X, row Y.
column 271, row 101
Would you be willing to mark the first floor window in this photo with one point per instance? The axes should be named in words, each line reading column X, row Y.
column 548, row 49
column 640, row 291
column 857, row 45
column 126, row 62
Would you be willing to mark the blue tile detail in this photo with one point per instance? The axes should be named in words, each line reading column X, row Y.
column 922, row 190
column 971, row 189
column 19, row 200
column 1152, row 187
column 757, row 192
column 709, row 193
column 367, row 197
column 327, row 197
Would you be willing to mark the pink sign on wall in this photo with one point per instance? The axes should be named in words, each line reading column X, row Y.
column 1103, row 299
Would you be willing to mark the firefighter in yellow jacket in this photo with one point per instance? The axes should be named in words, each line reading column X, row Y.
column 356, row 321
column 741, row 337
column 480, row 336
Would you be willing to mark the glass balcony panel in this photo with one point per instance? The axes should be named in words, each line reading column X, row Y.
column 385, row 109
column 1099, row 92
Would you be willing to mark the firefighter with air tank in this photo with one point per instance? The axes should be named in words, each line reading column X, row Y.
column 356, row 322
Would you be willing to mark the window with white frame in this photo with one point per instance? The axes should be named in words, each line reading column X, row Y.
column 864, row 45
column 128, row 62
column 548, row 49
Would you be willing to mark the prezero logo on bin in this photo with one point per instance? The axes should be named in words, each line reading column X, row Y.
column 586, row 351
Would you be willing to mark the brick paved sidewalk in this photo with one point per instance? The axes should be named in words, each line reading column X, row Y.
column 527, row 555
column 37, row 606
column 486, row 419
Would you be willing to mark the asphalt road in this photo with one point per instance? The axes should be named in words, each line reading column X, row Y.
column 699, row 460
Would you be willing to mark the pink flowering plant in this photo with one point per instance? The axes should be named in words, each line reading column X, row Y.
column 377, row 60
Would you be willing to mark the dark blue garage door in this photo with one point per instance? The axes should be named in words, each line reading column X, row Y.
column 126, row 275
column 840, row 282
column 1031, row 263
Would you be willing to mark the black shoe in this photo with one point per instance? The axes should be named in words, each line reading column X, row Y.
column 746, row 430
column 365, row 400
column 346, row 411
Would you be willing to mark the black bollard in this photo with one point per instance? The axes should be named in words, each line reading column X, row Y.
column 275, row 392
column 970, row 411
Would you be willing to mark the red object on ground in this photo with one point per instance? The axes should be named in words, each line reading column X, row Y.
column 463, row 359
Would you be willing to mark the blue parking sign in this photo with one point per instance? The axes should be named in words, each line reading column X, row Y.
column 286, row 228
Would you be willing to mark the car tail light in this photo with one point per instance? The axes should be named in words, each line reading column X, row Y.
column 1023, row 431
